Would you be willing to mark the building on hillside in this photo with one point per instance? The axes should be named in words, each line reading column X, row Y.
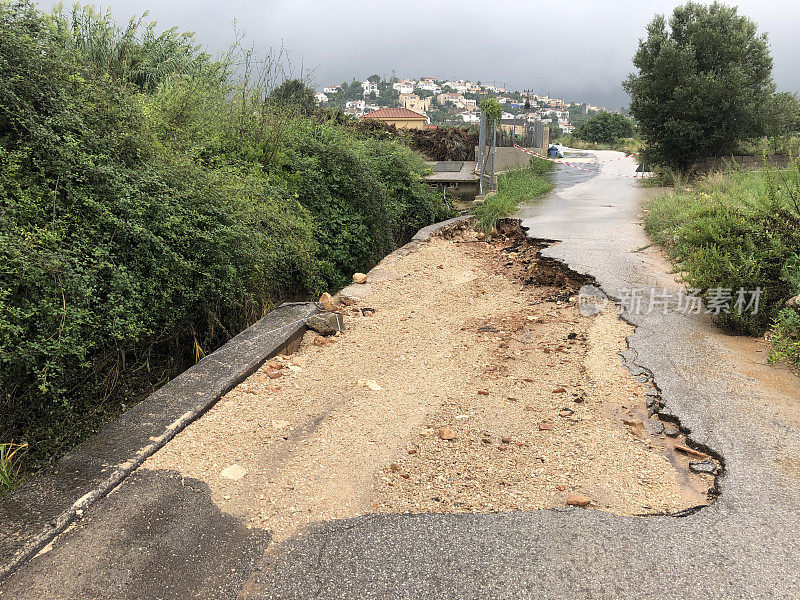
column 404, row 86
column 517, row 127
column 451, row 98
column 429, row 86
column 356, row 105
column 566, row 127
column 331, row 89
column 402, row 118
column 415, row 103
column 320, row 98
column 370, row 88
column 470, row 117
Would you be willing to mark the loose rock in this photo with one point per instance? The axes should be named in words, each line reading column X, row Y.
column 578, row 500
column 234, row 472
column 327, row 301
column 671, row 431
column 446, row 433
column 359, row 278
column 708, row 467
column 326, row 323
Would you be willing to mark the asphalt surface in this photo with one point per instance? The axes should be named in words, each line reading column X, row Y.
column 154, row 538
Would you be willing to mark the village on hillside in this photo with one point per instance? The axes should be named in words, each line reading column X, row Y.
column 431, row 102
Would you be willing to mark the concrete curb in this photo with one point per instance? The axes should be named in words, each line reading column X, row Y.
column 37, row 512
column 32, row 516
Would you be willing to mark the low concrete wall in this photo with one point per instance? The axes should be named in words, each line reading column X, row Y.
column 744, row 162
column 45, row 506
column 507, row 158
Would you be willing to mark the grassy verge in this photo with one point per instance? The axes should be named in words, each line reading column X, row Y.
column 740, row 230
column 514, row 187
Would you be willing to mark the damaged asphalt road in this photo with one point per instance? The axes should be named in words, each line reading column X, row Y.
column 744, row 545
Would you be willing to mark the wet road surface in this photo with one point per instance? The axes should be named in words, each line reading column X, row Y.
column 154, row 538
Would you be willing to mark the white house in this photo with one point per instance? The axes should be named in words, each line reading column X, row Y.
column 507, row 116
column 369, row 88
column 404, row 86
column 470, row 117
column 429, row 86
column 320, row 98
column 356, row 105
column 331, row 89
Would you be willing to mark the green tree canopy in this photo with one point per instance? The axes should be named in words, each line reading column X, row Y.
column 604, row 128
column 293, row 93
column 703, row 82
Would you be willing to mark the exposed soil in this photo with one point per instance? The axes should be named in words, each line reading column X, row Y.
column 476, row 340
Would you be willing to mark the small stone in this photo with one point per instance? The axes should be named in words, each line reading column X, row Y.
column 505, row 440
column 671, row 431
column 405, row 475
column 274, row 374
column 327, row 301
column 565, row 413
column 578, row 500
column 234, row 472
column 394, row 467
column 709, row 467
column 657, row 427
column 561, row 487
column 412, row 450
column 793, row 302
column 320, row 341
column 370, row 384
column 446, row 433
column 559, row 390
column 633, row 423
column 545, row 427
column 326, row 323
column 483, row 392
column 359, row 278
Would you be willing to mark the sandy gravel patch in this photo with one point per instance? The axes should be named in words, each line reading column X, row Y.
column 456, row 337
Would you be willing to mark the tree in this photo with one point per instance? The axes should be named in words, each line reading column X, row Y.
column 702, row 83
column 604, row 128
column 781, row 115
column 295, row 94
column 374, row 78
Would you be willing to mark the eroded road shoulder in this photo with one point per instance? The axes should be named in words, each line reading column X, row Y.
column 466, row 380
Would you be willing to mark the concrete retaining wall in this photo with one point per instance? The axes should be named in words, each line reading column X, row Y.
column 507, row 158
column 45, row 506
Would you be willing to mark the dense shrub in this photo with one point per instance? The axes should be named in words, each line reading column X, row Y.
column 741, row 230
column 604, row 128
column 152, row 206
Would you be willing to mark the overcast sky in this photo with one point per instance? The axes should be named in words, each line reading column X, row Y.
column 577, row 49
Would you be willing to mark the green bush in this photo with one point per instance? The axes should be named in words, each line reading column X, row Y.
column 152, row 206
column 740, row 230
column 605, row 128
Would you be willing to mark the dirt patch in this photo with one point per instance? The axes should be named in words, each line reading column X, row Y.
column 481, row 337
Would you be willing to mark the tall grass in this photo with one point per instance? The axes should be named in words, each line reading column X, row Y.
column 10, row 455
column 739, row 230
column 513, row 187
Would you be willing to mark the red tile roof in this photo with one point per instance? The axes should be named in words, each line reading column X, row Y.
column 394, row 113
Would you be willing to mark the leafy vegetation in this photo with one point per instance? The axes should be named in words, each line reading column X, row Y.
column 513, row 187
column 153, row 204
column 740, row 230
column 703, row 83
column 605, row 128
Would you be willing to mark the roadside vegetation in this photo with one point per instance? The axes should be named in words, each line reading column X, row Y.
column 155, row 201
column 739, row 230
column 514, row 187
